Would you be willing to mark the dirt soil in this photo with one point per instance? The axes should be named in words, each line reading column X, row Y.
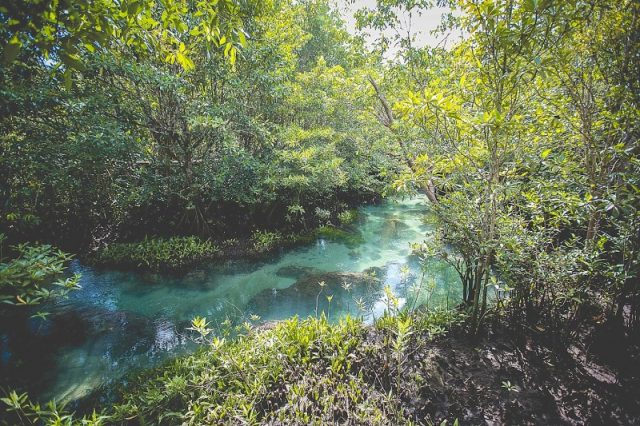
column 524, row 380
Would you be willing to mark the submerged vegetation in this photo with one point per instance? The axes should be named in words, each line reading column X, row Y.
column 159, row 135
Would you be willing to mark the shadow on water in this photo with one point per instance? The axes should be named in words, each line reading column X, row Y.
column 123, row 321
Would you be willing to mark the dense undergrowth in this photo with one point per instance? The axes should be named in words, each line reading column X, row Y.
column 294, row 372
column 419, row 368
column 176, row 254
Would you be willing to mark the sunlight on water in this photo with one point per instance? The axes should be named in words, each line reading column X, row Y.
column 121, row 321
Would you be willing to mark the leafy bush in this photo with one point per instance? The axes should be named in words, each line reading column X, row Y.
column 35, row 275
column 322, row 215
column 158, row 254
column 298, row 372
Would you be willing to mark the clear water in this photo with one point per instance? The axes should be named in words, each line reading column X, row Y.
column 122, row 321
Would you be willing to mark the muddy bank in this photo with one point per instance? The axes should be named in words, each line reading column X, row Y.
column 523, row 380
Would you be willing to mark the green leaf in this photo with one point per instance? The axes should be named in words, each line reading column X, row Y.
column 72, row 62
column 11, row 50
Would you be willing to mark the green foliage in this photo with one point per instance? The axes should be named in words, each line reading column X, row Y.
column 35, row 276
column 52, row 414
column 264, row 241
column 261, row 377
column 525, row 136
column 298, row 371
column 145, row 144
column 439, row 321
column 66, row 30
column 347, row 217
column 157, row 253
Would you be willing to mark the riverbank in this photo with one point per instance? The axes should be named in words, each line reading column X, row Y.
column 178, row 254
column 423, row 368
column 423, row 375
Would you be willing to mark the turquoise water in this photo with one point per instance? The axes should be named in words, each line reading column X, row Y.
column 120, row 321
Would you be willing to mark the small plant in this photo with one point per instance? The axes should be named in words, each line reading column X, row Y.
column 230, row 242
column 27, row 412
column 362, row 306
column 322, row 285
column 347, row 217
column 264, row 241
column 438, row 321
column 329, row 299
column 403, row 332
column 322, row 215
column 35, row 276
column 200, row 326
column 295, row 213
column 509, row 387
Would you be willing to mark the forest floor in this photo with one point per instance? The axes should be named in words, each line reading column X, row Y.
column 501, row 379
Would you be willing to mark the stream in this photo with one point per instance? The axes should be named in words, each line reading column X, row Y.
column 123, row 321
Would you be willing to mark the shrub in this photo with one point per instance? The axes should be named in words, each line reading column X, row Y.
column 322, row 215
column 35, row 276
column 298, row 372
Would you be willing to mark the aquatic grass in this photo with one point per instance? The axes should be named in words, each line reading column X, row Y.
column 351, row 239
column 158, row 254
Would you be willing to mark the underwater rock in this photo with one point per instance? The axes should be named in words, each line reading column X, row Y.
column 338, row 292
column 295, row 271
column 392, row 226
